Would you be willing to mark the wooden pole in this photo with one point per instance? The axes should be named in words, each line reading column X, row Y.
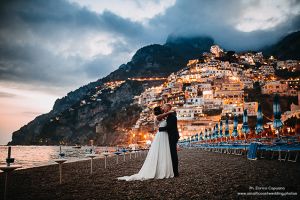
column 60, row 173
column 5, row 184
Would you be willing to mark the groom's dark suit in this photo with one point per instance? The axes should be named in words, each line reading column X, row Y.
column 173, row 133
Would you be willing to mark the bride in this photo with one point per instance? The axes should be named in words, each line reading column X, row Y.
column 158, row 163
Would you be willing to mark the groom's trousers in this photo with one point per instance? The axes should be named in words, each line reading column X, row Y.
column 174, row 156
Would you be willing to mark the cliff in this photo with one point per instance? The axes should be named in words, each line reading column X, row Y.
column 101, row 112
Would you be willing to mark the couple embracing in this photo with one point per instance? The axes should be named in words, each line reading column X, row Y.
column 162, row 160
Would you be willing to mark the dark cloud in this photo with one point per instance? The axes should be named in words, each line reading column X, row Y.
column 21, row 64
column 60, row 44
column 218, row 18
column 51, row 17
column 32, row 33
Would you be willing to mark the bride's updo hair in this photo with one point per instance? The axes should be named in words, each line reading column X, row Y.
column 157, row 110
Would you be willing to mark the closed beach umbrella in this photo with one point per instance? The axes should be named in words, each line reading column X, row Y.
column 201, row 136
column 277, row 113
column 245, row 127
column 226, row 128
column 213, row 132
column 217, row 131
column 205, row 134
column 221, row 129
column 235, row 124
column 209, row 134
column 259, row 124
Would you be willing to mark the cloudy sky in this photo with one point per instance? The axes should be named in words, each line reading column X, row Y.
column 48, row 48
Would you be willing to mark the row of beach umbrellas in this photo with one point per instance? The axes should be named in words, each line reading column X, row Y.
column 217, row 131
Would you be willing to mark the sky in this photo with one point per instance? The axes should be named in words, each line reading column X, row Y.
column 49, row 48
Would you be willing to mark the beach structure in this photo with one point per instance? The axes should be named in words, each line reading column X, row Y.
column 213, row 133
column 117, row 153
column 216, row 131
column 130, row 152
column 91, row 156
column 7, row 169
column 201, row 136
column 277, row 123
column 259, row 124
column 209, row 134
column 61, row 154
column 105, row 154
column 60, row 162
column 226, row 128
column 235, row 124
column 221, row 129
column 206, row 135
column 124, row 153
column 61, row 159
column 245, row 127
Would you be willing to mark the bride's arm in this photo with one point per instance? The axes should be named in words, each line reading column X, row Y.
column 161, row 116
column 155, row 125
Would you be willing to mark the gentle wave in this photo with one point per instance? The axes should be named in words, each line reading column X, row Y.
column 36, row 156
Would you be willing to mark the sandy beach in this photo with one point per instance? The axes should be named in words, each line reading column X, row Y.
column 203, row 175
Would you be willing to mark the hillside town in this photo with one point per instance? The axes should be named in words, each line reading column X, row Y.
column 211, row 89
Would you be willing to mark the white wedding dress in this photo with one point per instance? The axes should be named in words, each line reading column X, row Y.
column 158, row 163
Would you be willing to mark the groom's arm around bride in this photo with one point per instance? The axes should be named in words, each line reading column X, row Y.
column 173, row 133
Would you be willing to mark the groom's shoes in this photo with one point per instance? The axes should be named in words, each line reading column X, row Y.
column 176, row 175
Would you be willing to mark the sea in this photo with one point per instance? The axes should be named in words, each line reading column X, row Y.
column 36, row 156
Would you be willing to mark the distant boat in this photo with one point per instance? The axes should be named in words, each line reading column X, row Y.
column 77, row 147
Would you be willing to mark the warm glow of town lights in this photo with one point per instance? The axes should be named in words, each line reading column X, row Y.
column 148, row 79
column 208, row 90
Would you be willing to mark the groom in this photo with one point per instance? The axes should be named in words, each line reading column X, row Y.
column 172, row 130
